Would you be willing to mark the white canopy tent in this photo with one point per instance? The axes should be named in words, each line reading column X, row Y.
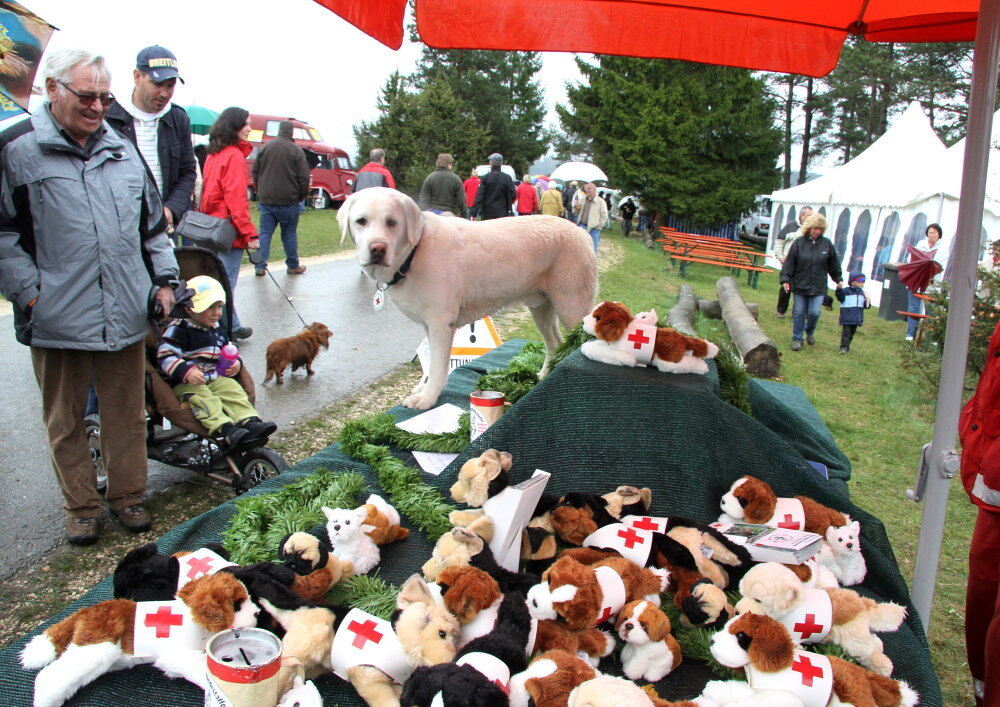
column 884, row 199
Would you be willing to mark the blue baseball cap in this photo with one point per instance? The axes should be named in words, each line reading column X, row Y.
column 855, row 277
column 159, row 63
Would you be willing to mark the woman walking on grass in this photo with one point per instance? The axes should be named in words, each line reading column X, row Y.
column 807, row 264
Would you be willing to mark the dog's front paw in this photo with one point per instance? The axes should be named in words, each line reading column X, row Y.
column 420, row 401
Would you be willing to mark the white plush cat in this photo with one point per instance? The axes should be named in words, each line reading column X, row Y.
column 349, row 537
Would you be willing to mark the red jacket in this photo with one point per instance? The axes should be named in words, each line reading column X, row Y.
column 527, row 198
column 224, row 190
column 471, row 187
column 979, row 431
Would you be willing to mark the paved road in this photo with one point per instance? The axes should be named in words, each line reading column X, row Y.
column 365, row 345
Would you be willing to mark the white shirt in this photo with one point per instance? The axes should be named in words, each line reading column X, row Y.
column 939, row 255
column 146, row 137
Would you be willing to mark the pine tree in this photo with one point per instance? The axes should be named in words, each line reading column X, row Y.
column 692, row 140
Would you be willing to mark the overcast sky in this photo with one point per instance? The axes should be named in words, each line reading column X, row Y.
column 280, row 57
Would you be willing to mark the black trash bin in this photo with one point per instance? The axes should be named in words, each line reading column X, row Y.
column 894, row 295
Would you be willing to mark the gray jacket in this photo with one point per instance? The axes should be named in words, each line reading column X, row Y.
column 81, row 230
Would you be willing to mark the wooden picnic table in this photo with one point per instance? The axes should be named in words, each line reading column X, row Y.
column 711, row 250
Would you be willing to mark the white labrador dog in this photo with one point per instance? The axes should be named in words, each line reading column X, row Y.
column 463, row 270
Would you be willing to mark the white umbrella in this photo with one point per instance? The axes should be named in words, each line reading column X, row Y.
column 579, row 171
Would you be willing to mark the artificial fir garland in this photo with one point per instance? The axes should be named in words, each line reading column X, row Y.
column 367, row 592
column 262, row 520
column 521, row 374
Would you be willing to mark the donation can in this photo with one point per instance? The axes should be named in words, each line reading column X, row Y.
column 485, row 408
column 243, row 668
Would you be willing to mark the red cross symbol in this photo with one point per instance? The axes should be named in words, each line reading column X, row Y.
column 605, row 615
column 807, row 627
column 163, row 620
column 789, row 523
column 365, row 632
column 631, row 538
column 503, row 686
column 638, row 339
column 199, row 566
column 645, row 524
column 809, row 671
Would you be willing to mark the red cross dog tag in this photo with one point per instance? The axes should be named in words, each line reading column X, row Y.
column 654, row 524
column 165, row 626
column 199, row 563
column 809, row 677
column 612, row 593
column 638, row 341
column 494, row 669
column 364, row 639
column 788, row 514
column 631, row 538
column 631, row 543
column 810, row 620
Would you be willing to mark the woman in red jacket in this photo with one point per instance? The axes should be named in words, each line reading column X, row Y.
column 979, row 430
column 224, row 192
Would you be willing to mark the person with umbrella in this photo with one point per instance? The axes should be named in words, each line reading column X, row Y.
column 929, row 246
column 807, row 264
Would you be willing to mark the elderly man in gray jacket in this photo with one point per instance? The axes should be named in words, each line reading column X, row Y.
column 82, row 243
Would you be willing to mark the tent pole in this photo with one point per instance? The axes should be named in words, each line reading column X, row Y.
column 943, row 463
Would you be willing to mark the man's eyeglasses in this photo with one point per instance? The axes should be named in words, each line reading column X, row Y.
column 87, row 99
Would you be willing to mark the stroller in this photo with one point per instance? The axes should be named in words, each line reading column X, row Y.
column 173, row 435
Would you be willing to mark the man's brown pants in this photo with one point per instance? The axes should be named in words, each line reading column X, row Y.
column 64, row 377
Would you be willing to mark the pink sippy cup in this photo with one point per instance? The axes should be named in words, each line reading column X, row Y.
column 227, row 357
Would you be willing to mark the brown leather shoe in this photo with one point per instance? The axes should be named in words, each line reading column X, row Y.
column 81, row 531
column 134, row 518
column 296, row 271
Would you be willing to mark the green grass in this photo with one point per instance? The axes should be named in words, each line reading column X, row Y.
column 879, row 417
column 318, row 234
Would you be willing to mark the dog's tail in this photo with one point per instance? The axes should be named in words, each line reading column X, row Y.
column 884, row 617
column 700, row 348
column 890, row 693
column 272, row 365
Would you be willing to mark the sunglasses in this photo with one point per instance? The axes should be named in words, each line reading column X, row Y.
column 87, row 99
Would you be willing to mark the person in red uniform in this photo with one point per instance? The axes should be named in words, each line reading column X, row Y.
column 979, row 431
column 527, row 197
column 471, row 186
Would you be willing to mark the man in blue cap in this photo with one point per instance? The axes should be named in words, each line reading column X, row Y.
column 159, row 129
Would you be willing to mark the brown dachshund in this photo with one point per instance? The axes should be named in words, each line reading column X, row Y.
column 299, row 350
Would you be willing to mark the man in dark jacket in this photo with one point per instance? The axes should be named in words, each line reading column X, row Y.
column 159, row 129
column 627, row 210
column 374, row 174
column 807, row 264
column 442, row 190
column 496, row 191
column 281, row 175
column 568, row 197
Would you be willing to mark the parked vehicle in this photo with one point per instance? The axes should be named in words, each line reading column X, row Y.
column 331, row 172
column 756, row 224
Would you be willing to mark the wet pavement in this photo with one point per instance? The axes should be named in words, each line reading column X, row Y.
column 365, row 345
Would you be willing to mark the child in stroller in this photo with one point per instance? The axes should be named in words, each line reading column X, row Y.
column 175, row 434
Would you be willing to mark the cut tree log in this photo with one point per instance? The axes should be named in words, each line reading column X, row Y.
column 681, row 317
column 760, row 355
column 713, row 310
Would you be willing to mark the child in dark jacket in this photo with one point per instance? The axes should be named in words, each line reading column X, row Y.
column 189, row 355
column 853, row 303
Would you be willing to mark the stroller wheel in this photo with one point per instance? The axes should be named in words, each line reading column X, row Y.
column 258, row 465
column 92, row 429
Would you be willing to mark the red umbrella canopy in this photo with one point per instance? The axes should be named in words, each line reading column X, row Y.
column 918, row 273
column 795, row 37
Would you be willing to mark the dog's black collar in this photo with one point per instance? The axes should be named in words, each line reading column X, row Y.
column 404, row 269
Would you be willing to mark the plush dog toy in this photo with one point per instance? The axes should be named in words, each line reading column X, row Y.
column 549, row 679
column 145, row 574
column 482, row 477
column 349, row 539
column 588, row 595
column 841, row 554
column 578, row 515
column 121, row 633
column 762, row 646
column 482, row 669
column 814, row 574
column 376, row 656
column 462, row 546
column 650, row 652
column 622, row 341
column 383, row 520
column 750, row 500
column 838, row 616
column 610, row 691
column 316, row 570
column 628, row 500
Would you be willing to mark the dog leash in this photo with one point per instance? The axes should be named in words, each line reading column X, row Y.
column 287, row 298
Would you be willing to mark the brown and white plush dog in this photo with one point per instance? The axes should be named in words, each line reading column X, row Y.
column 588, row 595
column 448, row 272
column 623, row 341
column 549, row 679
column 750, row 500
column 774, row 665
column 296, row 351
column 651, row 652
column 839, row 616
column 384, row 521
column 316, row 569
column 121, row 633
column 626, row 500
column 611, row 691
column 482, row 477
